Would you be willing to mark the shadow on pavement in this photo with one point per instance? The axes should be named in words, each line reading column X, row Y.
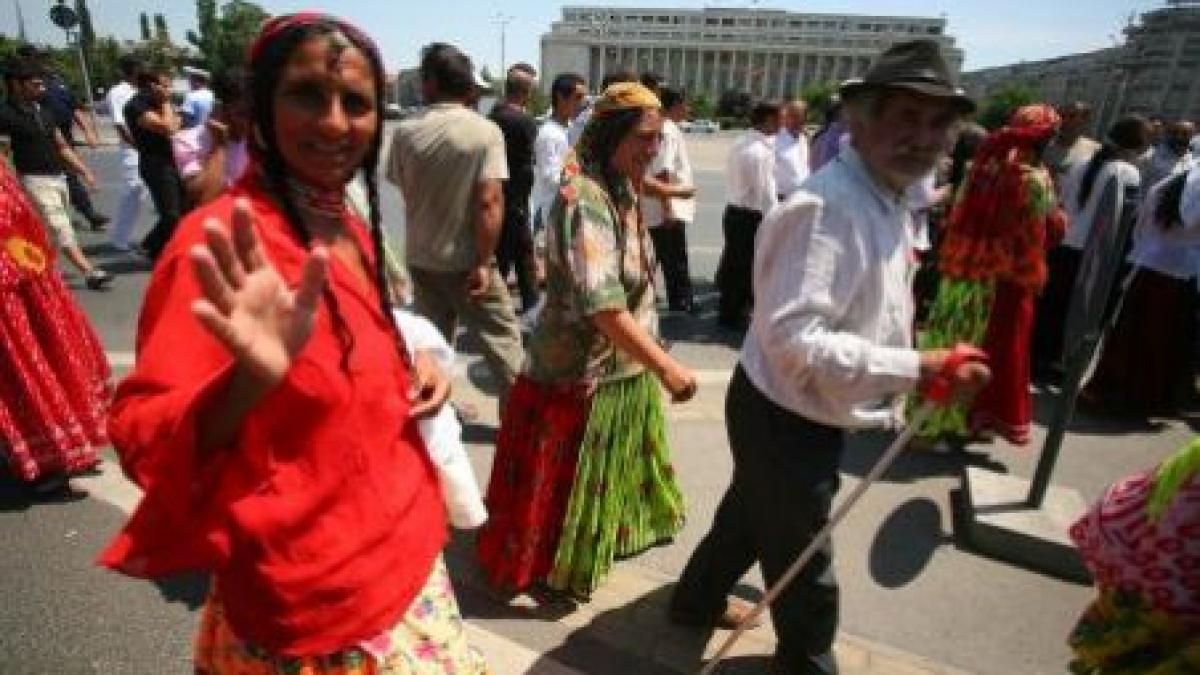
column 633, row 638
column 906, row 541
column 865, row 449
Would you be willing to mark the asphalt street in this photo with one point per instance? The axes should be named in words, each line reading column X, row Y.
column 907, row 581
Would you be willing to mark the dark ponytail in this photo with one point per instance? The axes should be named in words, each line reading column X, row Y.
column 1129, row 133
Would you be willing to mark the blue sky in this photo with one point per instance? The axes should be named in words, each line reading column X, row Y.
column 990, row 33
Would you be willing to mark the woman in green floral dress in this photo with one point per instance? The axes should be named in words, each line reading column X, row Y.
column 583, row 475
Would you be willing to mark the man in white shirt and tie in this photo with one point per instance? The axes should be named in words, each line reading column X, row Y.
column 750, row 175
column 791, row 148
column 829, row 350
column 669, row 206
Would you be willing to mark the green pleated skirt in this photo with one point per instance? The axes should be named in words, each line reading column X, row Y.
column 625, row 498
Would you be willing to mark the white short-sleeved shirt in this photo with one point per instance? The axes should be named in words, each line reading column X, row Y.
column 750, row 172
column 549, row 154
column 673, row 158
column 1080, row 218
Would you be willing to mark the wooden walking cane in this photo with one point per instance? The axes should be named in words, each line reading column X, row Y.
column 936, row 394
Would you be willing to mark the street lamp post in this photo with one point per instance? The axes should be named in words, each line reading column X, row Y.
column 67, row 19
column 502, row 20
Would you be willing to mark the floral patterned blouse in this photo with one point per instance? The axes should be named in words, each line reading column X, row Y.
column 598, row 257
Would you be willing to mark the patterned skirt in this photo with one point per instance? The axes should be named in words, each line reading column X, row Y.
column 579, row 481
column 54, row 379
column 430, row 640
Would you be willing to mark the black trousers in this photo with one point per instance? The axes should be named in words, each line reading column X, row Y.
column 80, row 199
column 736, row 270
column 1051, row 317
column 166, row 191
column 514, row 251
column 670, row 247
column 785, row 476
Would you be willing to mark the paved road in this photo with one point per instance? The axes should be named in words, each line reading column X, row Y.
column 907, row 582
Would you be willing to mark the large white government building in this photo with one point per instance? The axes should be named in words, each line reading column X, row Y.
column 764, row 52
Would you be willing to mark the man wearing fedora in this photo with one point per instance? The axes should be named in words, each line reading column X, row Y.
column 829, row 351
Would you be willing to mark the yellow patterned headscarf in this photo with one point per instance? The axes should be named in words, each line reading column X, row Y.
column 624, row 96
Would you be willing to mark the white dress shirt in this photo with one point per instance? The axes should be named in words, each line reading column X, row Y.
column 921, row 197
column 750, row 172
column 672, row 158
column 1079, row 219
column 791, row 161
column 831, row 335
column 549, row 153
column 1172, row 251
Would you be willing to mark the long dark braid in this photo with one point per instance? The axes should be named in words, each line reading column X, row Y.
column 266, row 67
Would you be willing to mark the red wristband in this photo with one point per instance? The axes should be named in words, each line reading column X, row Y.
column 939, row 387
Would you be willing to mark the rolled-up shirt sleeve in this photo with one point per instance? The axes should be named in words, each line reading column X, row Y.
column 807, row 275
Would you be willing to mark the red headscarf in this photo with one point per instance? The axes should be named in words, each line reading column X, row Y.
column 1006, row 215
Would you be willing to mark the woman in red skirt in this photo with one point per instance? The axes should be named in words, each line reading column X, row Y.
column 54, row 378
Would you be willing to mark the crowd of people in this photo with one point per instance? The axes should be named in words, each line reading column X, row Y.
column 305, row 453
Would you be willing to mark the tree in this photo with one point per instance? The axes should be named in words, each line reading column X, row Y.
column 161, row 32
column 999, row 106
column 735, row 104
column 224, row 32
column 145, row 25
column 702, row 107
column 539, row 103
column 205, row 41
column 818, row 97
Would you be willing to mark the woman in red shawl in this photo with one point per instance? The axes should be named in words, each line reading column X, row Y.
column 267, row 419
column 992, row 262
column 54, row 378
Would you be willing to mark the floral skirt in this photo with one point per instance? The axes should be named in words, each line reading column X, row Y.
column 1122, row 634
column 430, row 640
column 579, row 481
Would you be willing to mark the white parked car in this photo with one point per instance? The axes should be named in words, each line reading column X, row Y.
column 699, row 126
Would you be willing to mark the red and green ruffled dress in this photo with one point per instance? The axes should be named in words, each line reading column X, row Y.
column 992, row 262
